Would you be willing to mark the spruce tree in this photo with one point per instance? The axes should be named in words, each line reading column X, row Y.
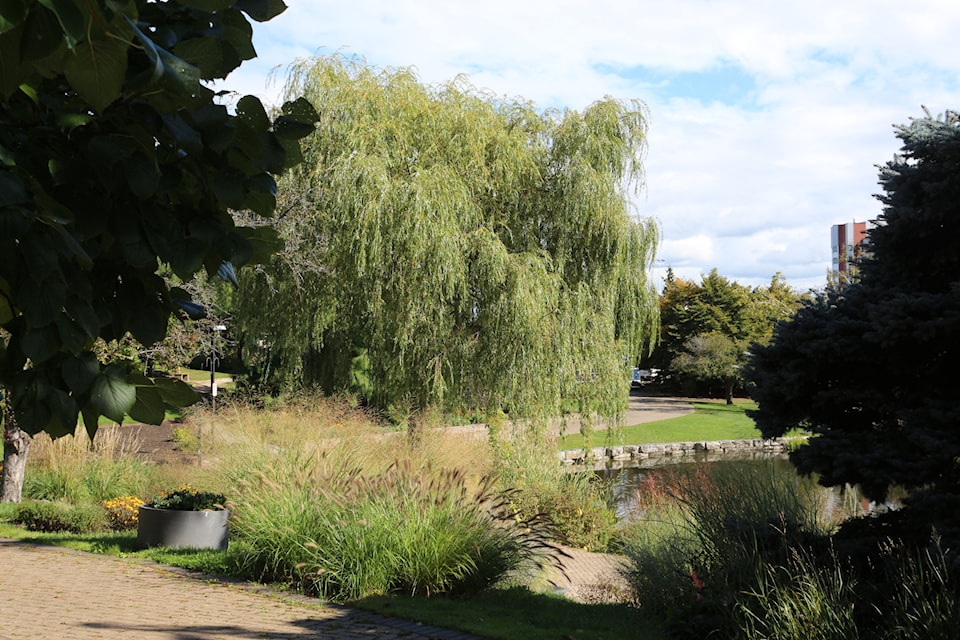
column 870, row 368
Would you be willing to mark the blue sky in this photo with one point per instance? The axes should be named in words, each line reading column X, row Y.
column 767, row 120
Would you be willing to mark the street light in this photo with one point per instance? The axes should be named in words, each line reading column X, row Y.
column 214, row 359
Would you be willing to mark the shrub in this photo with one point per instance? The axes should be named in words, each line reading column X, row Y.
column 185, row 439
column 60, row 516
column 578, row 504
column 186, row 498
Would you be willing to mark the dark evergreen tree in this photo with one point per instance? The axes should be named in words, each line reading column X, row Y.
column 870, row 369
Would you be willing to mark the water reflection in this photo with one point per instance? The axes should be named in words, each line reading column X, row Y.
column 836, row 504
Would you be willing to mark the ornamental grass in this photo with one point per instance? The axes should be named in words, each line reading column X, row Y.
column 323, row 524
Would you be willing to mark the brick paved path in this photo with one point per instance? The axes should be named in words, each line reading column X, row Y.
column 49, row 592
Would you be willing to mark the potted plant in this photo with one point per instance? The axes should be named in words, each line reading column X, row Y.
column 184, row 517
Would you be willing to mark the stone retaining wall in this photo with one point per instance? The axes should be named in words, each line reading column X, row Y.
column 631, row 454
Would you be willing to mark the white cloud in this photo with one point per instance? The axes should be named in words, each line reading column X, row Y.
column 766, row 118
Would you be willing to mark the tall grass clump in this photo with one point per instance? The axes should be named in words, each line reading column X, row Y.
column 924, row 603
column 77, row 470
column 702, row 533
column 749, row 554
column 806, row 597
column 322, row 523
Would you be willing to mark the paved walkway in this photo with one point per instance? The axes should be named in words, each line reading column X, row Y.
column 52, row 592
column 56, row 593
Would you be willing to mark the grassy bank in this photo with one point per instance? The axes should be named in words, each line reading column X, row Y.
column 709, row 421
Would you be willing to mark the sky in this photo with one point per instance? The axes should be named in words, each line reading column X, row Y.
column 767, row 120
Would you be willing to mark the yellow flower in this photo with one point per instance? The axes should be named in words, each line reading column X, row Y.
column 123, row 512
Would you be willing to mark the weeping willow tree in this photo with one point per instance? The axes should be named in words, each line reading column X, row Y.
column 448, row 248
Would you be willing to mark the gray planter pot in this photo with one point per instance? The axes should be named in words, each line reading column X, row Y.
column 172, row 528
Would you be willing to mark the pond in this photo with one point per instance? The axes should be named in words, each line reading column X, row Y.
column 836, row 504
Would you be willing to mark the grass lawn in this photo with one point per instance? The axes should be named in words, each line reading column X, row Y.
column 709, row 421
column 507, row 614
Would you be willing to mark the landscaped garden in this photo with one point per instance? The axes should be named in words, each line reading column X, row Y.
column 454, row 531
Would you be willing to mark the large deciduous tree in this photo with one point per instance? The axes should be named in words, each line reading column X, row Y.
column 115, row 159
column 707, row 329
column 447, row 247
column 870, row 369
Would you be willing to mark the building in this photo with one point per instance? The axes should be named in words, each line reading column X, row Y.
column 848, row 241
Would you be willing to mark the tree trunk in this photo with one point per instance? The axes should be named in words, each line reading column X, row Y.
column 730, row 393
column 16, row 444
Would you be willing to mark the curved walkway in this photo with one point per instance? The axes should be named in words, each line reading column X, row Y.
column 51, row 592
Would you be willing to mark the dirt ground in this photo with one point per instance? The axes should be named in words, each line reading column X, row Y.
column 156, row 443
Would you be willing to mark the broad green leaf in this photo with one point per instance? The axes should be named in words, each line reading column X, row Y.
column 262, row 194
column 12, row 13
column 73, row 247
column 84, row 315
column 33, row 412
column 42, row 35
column 11, row 72
column 175, row 392
column 70, row 121
column 251, row 113
column 238, row 37
column 71, row 19
column 149, row 406
column 6, row 310
column 168, row 70
column 204, row 53
column 12, row 190
column 63, row 413
column 42, row 301
column 298, row 120
column 229, row 190
column 72, row 336
column 142, row 175
column 41, row 344
column 262, row 10
column 91, row 419
column 79, row 372
column 179, row 75
column 96, row 69
column 149, row 324
column 112, row 396
column 262, row 243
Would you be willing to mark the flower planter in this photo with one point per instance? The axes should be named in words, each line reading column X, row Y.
column 174, row 528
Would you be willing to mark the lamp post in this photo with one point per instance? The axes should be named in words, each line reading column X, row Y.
column 214, row 358
column 214, row 330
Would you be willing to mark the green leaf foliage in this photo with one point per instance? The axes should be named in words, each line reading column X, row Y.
column 870, row 368
column 707, row 329
column 476, row 252
column 114, row 161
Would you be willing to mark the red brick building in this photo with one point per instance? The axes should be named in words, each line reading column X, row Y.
column 848, row 242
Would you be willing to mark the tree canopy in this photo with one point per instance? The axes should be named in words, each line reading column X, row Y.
column 115, row 159
column 870, row 369
column 708, row 328
column 448, row 247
